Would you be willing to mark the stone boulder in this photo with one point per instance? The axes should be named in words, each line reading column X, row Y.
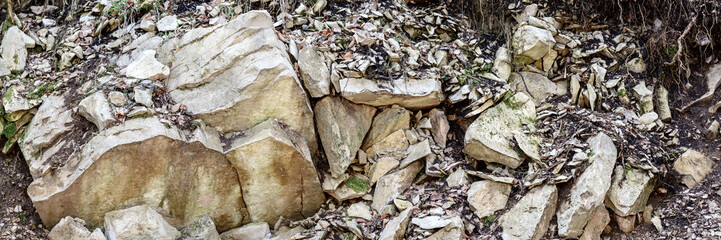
column 596, row 224
column 396, row 227
column 531, row 43
column 342, row 125
column 274, row 163
column 491, row 136
column 539, row 86
column 69, row 228
column 201, row 229
column 386, row 122
column 487, row 197
column 237, row 75
column 142, row 161
column 138, row 223
column 589, row 189
column 530, row 217
column 393, row 184
column 316, row 75
column 408, row 93
column 97, row 110
column 629, row 190
column 14, row 48
column 693, row 167
column 146, row 67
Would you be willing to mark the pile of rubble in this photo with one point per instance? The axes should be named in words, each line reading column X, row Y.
column 360, row 120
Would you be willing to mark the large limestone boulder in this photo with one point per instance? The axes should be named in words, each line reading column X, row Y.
column 237, row 75
column 409, row 93
column 495, row 134
column 629, row 191
column 142, row 161
column 693, row 167
column 276, row 173
column 589, row 190
column 531, row 43
column 14, row 48
column 530, row 217
column 138, row 223
column 342, row 125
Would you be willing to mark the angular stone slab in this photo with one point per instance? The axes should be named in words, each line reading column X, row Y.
column 276, row 173
column 409, row 93
column 629, row 191
column 530, row 217
column 238, row 75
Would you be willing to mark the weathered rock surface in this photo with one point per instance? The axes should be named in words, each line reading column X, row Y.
column 530, row 217
column 393, row 184
column 69, row 228
column 147, row 67
column 360, row 210
column 693, row 167
column 385, row 123
column 396, row 142
column 439, row 126
column 629, row 191
column 201, row 229
column 490, row 137
column 589, row 190
column 168, row 23
column 142, row 161
column 532, row 43
column 275, row 163
column 408, row 93
column 487, row 197
column 596, row 224
column 14, row 48
column 139, row 222
column 342, row 125
column 453, row 231
column 251, row 231
column 248, row 71
column 316, row 75
column 53, row 119
column 97, row 110
column 382, row 166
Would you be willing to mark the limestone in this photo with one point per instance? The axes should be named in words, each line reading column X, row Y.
column 713, row 81
column 96, row 235
column 439, row 126
column 143, row 96
column 4, row 70
column 648, row 118
column 532, row 43
column 415, row 152
column 247, row 68
column 117, row 98
column 457, row 178
column 430, row 222
column 139, row 222
column 490, row 136
column 201, row 229
column 275, row 163
column 146, row 66
column 693, row 166
column 386, row 122
column 530, row 217
column 408, row 93
column 316, row 75
column 142, row 161
column 69, row 228
column 538, row 85
column 360, row 210
column 626, row 224
column 453, row 231
column 392, row 185
column 596, row 224
column 589, row 189
column 53, row 119
column 168, row 23
column 14, row 48
column 663, row 108
column 396, row 142
column 97, row 110
column 395, row 229
column 502, row 63
column 251, row 231
column 487, row 197
column 147, row 25
column 629, row 191
column 13, row 101
column 645, row 97
column 341, row 125
column 636, row 65
column 382, row 166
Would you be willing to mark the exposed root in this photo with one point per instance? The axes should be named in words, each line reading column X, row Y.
column 677, row 57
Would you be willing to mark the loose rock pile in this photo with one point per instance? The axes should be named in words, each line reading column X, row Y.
column 206, row 125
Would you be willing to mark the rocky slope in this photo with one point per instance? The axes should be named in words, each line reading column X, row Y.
column 345, row 120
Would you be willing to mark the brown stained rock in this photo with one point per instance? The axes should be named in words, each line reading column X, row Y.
column 693, row 167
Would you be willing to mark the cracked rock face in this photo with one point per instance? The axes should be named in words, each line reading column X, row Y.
column 237, row 75
column 629, row 191
column 530, row 217
column 408, row 93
